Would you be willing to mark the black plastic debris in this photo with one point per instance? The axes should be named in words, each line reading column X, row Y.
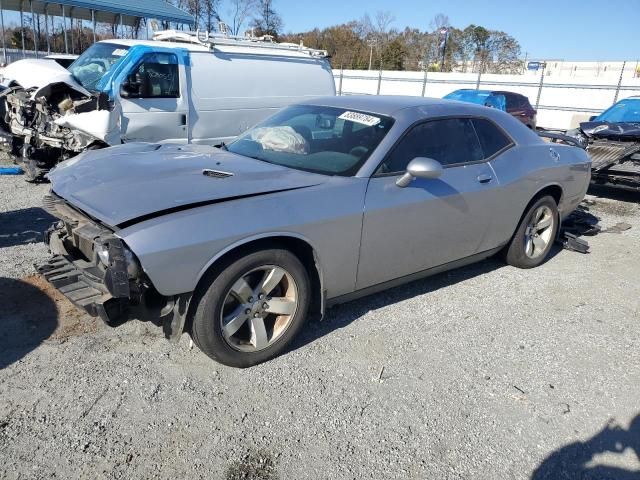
column 573, row 243
column 579, row 223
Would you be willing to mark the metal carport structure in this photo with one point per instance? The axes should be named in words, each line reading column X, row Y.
column 124, row 12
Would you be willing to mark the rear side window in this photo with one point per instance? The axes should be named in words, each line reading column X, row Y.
column 158, row 76
column 451, row 141
column 492, row 139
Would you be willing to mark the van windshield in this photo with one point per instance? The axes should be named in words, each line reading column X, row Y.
column 95, row 62
column 326, row 140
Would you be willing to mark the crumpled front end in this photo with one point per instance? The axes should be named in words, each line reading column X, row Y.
column 97, row 272
column 90, row 265
column 614, row 149
column 41, row 125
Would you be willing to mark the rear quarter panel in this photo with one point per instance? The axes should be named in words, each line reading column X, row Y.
column 525, row 170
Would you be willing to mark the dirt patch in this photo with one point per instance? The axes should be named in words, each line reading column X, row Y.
column 256, row 465
column 613, row 207
column 72, row 321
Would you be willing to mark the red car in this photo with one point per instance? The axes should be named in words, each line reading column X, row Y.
column 510, row 102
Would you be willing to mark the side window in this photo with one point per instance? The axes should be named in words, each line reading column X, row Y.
column 492, row 139
column 450, row 141
column 158, row 76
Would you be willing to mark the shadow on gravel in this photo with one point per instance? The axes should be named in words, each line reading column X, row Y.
column 21, row 227
column 577, row 461
column 614, row 193
column 342, row 315
column 28, row 316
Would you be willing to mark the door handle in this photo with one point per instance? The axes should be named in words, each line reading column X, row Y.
column 183, row 119
column 484, row 178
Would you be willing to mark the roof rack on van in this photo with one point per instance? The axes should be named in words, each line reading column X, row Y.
column 211, row 40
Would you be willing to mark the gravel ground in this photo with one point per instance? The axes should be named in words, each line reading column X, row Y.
column 485, row 372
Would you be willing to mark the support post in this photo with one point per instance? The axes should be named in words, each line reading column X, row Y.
column 36, row 40
column 121, row 27
column 341, row 77
column 64, row 31
column 73, row 40
column 379, row 78
column 4, row 42
column 46, row 27
column 544, row 66
column 93, row 22
column 22, row 29
column 424, row 81
column 615, row 98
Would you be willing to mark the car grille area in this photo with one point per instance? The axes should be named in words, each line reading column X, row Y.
column 75, row 269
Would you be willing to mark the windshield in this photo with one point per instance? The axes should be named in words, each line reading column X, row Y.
column 479, row 97
column 95, row 62
column 326, row 140
column 625, row 111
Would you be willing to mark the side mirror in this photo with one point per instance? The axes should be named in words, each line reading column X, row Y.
column 420, row 167
column 592, row 118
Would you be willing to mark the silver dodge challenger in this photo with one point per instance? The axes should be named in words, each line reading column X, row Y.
column 325, row 201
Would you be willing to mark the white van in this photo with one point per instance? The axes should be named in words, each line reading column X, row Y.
column 181, row 87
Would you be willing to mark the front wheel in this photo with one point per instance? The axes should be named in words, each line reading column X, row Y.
column 252, row 309
column 536, row 233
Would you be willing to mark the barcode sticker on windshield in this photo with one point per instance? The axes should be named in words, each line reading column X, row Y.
column 119, row 52
column 362, row 118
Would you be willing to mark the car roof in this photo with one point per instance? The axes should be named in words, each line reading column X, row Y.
column 390, row 105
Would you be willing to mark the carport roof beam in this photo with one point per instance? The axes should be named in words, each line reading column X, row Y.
column 106, row 9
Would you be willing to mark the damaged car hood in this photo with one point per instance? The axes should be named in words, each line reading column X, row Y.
column 123, row 185
column 611, row 130
column 38, row 74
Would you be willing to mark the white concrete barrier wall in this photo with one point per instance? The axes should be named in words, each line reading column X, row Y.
column 564, row 101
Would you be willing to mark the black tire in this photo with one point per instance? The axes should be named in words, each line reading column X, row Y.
column 514, row 253
column 206, row 326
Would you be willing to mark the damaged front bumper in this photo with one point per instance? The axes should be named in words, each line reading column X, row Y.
column 95, row 270
column 100, row 288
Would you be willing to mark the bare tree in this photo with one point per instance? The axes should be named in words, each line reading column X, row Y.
column 267, row 20
column 439, row 21
column 239, row 13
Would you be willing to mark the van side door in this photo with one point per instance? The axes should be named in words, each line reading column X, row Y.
column 154, row 100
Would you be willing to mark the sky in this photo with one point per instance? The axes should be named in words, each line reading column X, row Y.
column 585, row 30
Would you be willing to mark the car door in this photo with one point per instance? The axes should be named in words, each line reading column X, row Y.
column 432, row 221
column 155, row 101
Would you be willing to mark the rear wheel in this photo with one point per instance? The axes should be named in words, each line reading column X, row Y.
column 252, row 309
column 536, row 233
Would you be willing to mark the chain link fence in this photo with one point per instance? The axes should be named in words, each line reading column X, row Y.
column 561, row 101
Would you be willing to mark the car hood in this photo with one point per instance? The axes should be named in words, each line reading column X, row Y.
column 611, row 130
column 38, row 74
column 126, row 184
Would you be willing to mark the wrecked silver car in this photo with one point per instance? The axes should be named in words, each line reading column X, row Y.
column 326, row 201
column 612, row 139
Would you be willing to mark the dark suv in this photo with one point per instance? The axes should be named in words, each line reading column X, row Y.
column 510, row 102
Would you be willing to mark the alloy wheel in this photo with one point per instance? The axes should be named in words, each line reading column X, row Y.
column 259, row 308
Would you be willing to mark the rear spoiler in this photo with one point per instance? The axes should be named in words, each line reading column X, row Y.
column 559, row 136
